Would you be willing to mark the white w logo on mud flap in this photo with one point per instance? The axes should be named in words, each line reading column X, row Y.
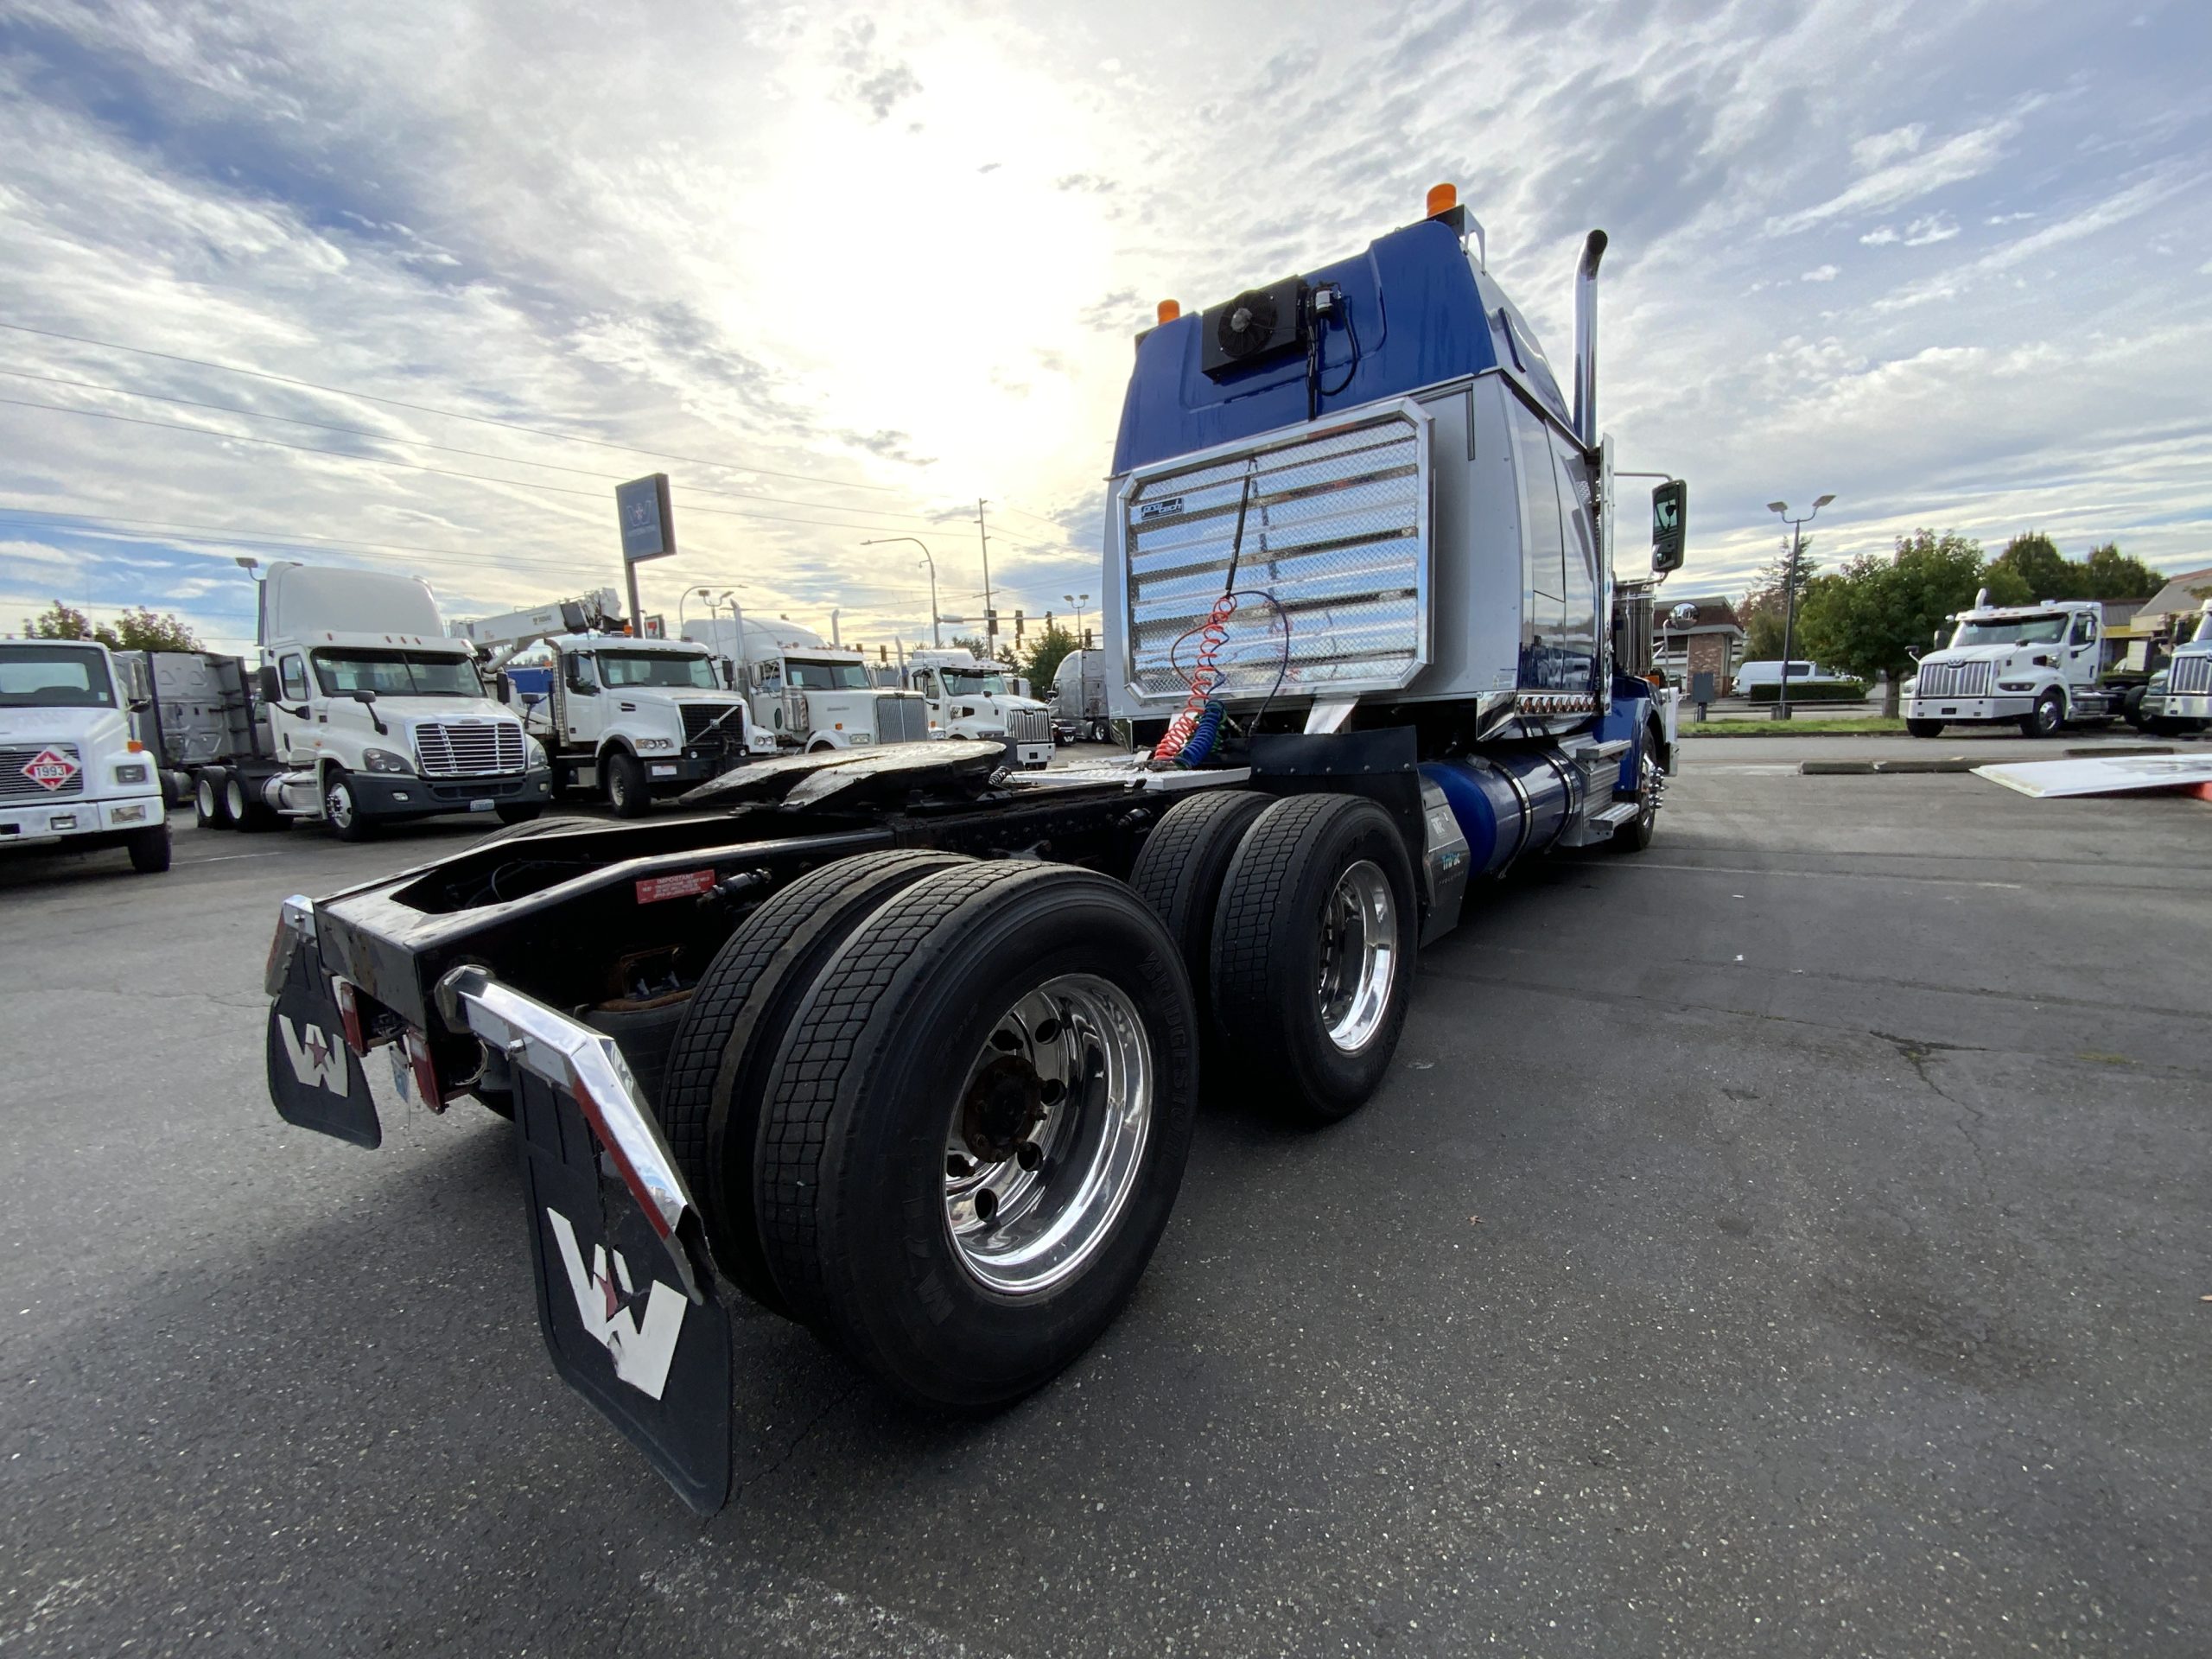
column 608, row 1303
column 317, row 1061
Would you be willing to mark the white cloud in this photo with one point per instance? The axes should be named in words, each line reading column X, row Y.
column 1967, row 155
column 1820, row 274
column 1936, row 228
column 1880, row 237
column 1881, row 148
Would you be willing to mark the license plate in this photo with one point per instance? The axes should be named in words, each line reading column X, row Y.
column 482, row 806
column 663, row 772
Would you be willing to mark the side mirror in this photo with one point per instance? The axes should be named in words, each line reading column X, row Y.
column 363, row 696
column 272, row 688
column 500, row 689
column 1669, row 524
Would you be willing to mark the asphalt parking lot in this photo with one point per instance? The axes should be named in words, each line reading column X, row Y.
column 1792, row 1239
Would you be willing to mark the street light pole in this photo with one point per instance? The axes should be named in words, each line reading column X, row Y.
column 1790, row 593
column 990, row 612
column 936, row 638
column 1078, row 600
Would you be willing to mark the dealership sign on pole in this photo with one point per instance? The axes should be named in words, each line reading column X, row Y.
column 648, row 523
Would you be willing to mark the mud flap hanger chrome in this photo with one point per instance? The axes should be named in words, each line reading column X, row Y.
column 585, row 1066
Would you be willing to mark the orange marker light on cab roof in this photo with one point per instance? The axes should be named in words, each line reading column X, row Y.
column 1442, row 199
column 1169, row 310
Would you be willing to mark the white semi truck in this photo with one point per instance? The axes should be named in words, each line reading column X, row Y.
column 806, row 694
column 73, row 776
column 2034, row 666
column 361, row 713
column 631, row 718
column 970, row 698
column 2178, row 700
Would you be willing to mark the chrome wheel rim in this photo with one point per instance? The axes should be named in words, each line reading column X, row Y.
column 338, row 804
column 1647, row 791
column 1048, row 1135
column 1359, row 955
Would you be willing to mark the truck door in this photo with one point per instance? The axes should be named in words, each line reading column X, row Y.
column 581, row 717
column 2081, row 651
column 292, row 723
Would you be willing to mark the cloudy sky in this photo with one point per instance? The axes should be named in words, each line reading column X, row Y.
column 840, row 271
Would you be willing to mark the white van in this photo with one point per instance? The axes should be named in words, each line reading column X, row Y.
column 1769, row 673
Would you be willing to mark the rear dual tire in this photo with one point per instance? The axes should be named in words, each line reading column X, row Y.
column 863, row 1062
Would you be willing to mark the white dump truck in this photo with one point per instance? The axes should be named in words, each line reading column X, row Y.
column 362, row 713
column 809, row 695
column 971, row 698
column 630, row 719
column 73, row 778
column 2033, row 667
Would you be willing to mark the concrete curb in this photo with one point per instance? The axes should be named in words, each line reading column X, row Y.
column 1882, row 768
column 1953, row 762
column 2120, row 749
column 1835, row 768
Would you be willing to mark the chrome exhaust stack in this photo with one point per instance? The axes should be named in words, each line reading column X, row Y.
column 1586, row 340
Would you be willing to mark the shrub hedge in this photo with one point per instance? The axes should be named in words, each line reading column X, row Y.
column 1815, row 691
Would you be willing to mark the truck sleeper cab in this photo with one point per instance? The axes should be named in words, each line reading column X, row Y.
column 905, row 1044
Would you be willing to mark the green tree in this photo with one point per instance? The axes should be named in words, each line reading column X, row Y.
column 59, row 621
column 2112, row 574
column 1052, row 645
column 141, row 630
column 2045, row 573
column 133, row 630
column 1872, row 616
column 1762, row 612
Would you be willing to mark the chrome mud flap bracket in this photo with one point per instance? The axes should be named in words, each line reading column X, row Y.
column 633, row 1313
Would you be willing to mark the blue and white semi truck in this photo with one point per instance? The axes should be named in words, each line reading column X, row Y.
column 907, row 1045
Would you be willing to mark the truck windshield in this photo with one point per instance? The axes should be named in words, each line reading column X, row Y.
column 973, row 683
column 666, row 669
column 2011, row 631
column 53, row 677
column 828, row 676
column 397, row 674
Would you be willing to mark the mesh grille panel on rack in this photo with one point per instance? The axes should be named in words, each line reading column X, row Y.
column 1336, row 528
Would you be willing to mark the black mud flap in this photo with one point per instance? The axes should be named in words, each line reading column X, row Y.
column 315, row 1080
column 621, row 1332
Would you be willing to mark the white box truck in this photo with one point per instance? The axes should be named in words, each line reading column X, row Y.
column 73, row 776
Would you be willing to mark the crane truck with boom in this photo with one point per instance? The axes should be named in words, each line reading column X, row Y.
column 904, row 1043
column 633, row 720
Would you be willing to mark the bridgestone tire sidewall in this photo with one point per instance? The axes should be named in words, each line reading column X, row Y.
column 1265, row 970
column 897, row 1297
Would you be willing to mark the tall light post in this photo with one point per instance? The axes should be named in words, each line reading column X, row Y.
column 737, row 616
column 684, row 599
column 936, row 638
column 1789, row 592
column 1078, row 600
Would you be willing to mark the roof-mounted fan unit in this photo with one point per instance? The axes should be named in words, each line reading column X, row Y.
column 1258, row 325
